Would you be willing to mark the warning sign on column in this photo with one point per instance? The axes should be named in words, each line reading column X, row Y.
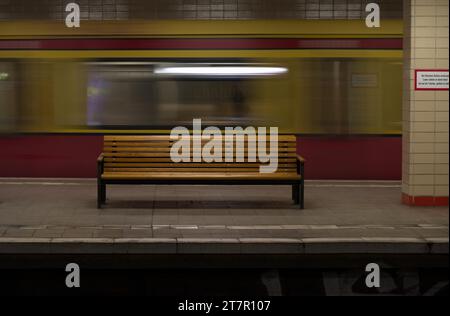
column 431, row 80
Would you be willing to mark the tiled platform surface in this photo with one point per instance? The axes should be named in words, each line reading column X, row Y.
column 60, row 216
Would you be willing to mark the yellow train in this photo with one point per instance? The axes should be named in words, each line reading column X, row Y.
column 306, row 77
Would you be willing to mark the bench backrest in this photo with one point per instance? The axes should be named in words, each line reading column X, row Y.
column 152, row 154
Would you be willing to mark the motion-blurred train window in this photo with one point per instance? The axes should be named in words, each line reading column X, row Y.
column 167, row 94
column 136, row 95
column 120, row 94
column 8, row 85
column 351, row 96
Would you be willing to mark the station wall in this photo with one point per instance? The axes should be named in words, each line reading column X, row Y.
column 74, row 156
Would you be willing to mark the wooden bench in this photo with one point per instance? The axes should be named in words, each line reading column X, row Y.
column 146, row 160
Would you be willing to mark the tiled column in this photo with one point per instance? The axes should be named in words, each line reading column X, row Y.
column 425, row 113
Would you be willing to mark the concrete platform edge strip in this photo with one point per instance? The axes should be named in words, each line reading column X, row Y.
column 224, row 246
column 93, row 181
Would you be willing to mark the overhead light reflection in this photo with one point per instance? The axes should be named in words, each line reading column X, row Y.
column 4, row 75
column 222, row 71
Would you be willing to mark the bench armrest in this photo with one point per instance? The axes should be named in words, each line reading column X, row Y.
column 100, row 165
column 301, row 166
column 300, row 159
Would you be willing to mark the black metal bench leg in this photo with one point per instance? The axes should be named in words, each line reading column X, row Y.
column 295, row 193
column 99, row 195
column 302, row 195
column 103, row 193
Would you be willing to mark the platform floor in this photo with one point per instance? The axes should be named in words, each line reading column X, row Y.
column 186, row 218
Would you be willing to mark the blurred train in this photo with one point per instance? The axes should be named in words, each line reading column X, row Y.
column 325, row 79
column 314, row 96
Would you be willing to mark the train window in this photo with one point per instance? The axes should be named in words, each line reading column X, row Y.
column 150, row 95
column 120, row 95
column 8, row 104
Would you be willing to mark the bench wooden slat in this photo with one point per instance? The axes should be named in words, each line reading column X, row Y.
column 162, row 144
column 167, row 149
column 158, row 158
column 130, row 146
column 198, row 176
column 164, row 155
column 134, row 138
column 170, row 143
column 155, row 170
column 190, row 165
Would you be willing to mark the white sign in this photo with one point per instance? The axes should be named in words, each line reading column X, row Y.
column 431, row 80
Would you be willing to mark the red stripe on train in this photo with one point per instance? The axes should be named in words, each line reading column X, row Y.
column 169, row 44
